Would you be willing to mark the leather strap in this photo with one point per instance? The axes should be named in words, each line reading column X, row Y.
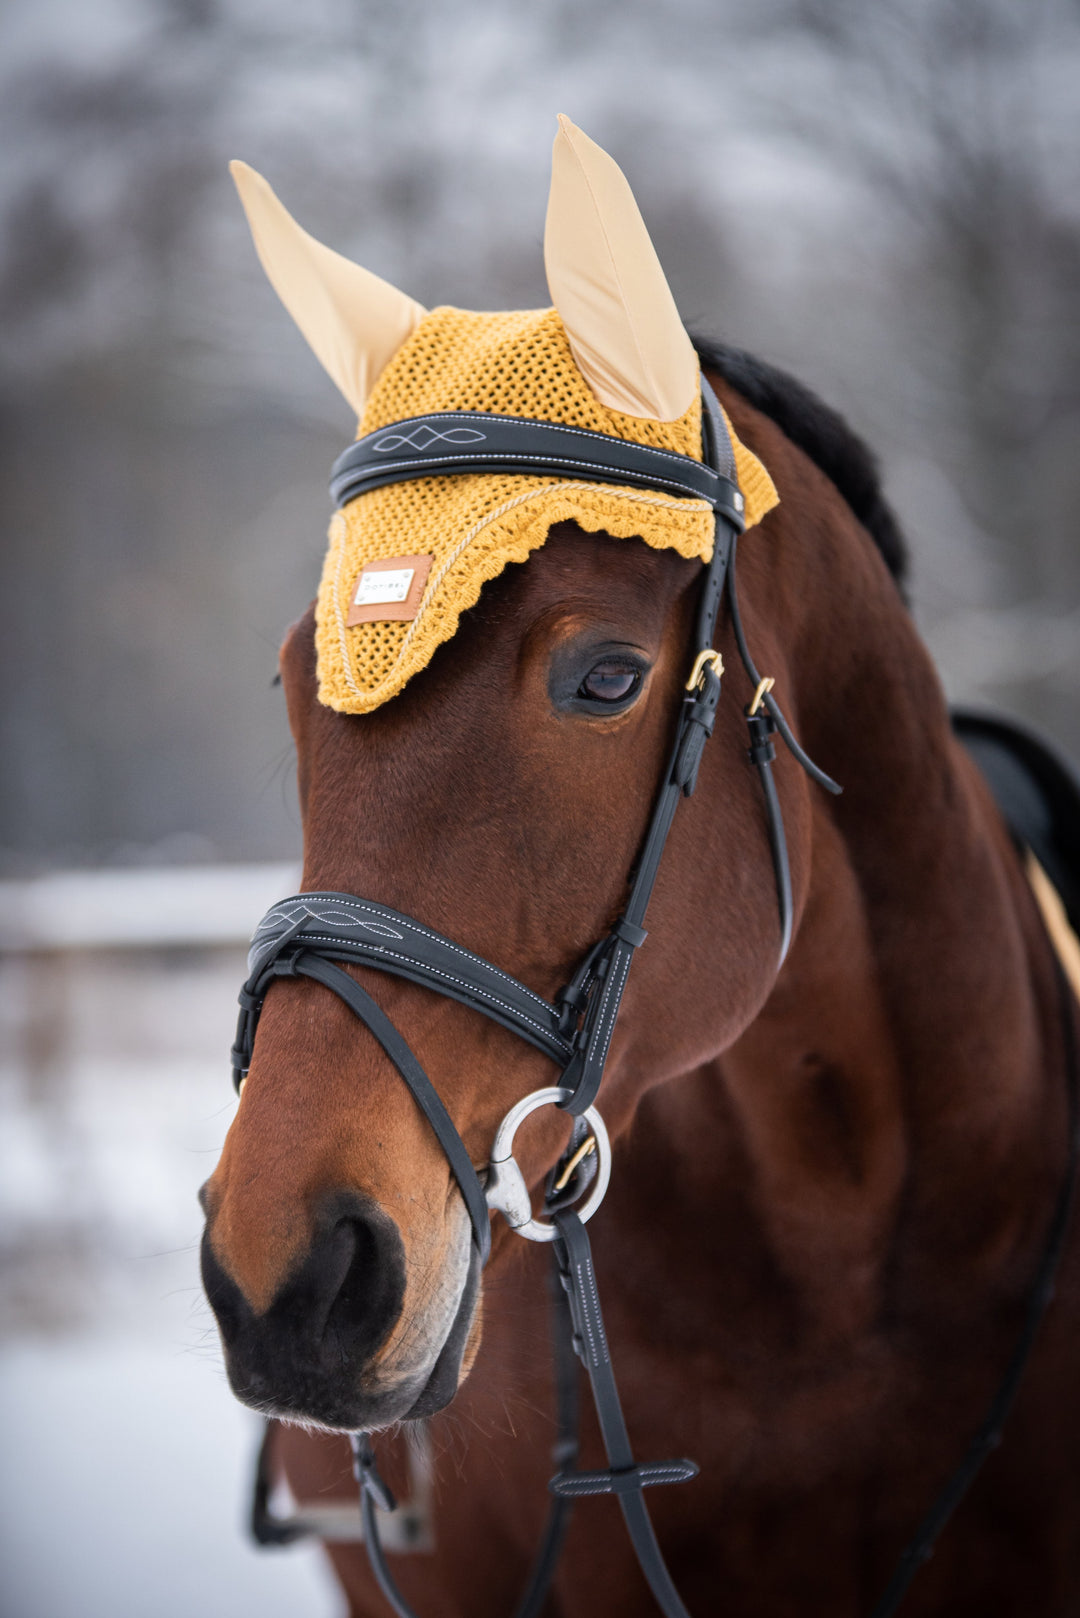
column 342, row 927
column 266, row 1529
column 768, row 700
column 578, row 1330
column 371, row 1014
column 313, row 962
column 454, row 442
column 762, row 753
column 564, row 1453
column 595, row 993
column 597, row 988
column 374, row 1492
column 624, row 1477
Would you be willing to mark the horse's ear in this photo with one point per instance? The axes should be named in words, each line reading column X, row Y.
column 354, row 322
column 606, row 282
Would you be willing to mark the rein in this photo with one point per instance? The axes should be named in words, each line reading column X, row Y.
column 309, row 934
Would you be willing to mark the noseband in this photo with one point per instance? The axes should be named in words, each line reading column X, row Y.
column 309, row 934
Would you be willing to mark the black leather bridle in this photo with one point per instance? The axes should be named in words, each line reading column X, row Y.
column 309, row 934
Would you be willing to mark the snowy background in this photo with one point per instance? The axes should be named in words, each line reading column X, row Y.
column 125, row 1462
column 883, row 199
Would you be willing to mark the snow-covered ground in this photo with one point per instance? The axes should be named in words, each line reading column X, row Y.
column 124, row 1460
column 123, row 1486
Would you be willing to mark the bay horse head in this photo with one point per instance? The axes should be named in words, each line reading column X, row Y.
column 839, row 1191
column 483, row 703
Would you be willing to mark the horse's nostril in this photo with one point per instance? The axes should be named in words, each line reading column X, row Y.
column 345, row 1295
column 352, row 1285
column 332, row 1312
column 345, row 1238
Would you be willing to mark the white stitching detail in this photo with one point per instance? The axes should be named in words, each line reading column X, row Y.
column 437, row 971
column 414, row 926
column 586, row 1320
column 391, row 440
column 477, row 991
column 611, row 1006
column 325, row 916
column 649, row 1472
column 587, row 1271
column 554, row 426
column 631, row 474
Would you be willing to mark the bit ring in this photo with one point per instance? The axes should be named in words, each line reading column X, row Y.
column 506, row 1190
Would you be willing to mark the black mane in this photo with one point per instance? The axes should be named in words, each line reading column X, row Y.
column 822, row 434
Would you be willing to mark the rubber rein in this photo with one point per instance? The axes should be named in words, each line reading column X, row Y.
column 309, row 934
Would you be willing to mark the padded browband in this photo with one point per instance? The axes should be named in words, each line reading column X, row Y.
column 451, row 442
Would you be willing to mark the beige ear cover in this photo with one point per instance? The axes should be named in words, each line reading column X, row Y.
column 606, row 282
column 355, row 322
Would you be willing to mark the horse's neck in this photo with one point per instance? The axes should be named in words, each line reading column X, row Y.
column 893, row 1119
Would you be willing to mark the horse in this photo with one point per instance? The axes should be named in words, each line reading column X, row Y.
column 834, row 1180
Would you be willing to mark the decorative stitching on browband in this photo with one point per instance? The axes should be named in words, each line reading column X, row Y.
column 532, row 460
column 552, row 426
column 413, row 926
column 437, row 971
column 304, row 905
column 456, row 435
column 526, row 421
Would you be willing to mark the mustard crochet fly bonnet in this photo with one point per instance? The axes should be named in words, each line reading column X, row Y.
column 406, row 559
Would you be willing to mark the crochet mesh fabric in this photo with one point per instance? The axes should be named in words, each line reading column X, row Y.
column 513, row 364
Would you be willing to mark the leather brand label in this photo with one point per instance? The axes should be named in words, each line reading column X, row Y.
column 389, row 590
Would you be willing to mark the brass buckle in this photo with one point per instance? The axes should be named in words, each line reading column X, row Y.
column 706, row 659
column 586, row 1149
column 759, row 695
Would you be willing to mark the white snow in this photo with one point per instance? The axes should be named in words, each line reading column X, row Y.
column 125, row 1462
column 123, row 1488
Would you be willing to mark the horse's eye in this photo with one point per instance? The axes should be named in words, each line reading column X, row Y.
column 610, row 682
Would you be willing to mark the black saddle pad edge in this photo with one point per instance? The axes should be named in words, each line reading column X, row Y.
column 1036, row 789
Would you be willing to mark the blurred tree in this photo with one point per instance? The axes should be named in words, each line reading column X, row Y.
column 962, row 118
column 882, row 198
